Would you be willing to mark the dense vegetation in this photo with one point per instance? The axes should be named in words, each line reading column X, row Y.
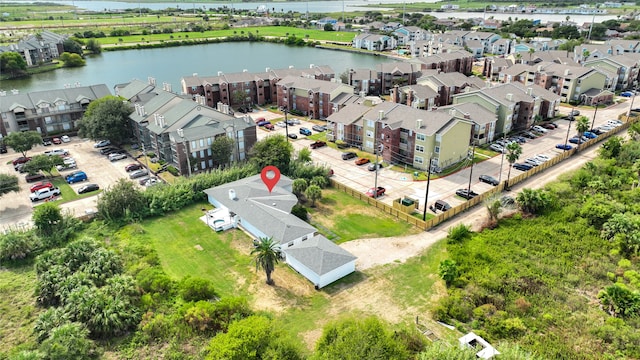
column 563, row 284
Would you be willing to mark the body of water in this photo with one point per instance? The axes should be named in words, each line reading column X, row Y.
column 578, row 19
column 301, row 7
column 171, row 64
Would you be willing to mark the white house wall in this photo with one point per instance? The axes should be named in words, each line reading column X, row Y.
column 303, row 270
column 326, row 279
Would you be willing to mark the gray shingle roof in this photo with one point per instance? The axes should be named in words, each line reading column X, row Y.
column 268, row 212
column 71, row 95
column 320, row 255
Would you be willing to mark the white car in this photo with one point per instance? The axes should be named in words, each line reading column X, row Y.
column 281, row 124
column 533, row 161
column 542, row 157
column 117, row 156
column 539, row 129
column 56, row 152
column 496, row 147
column 65, row 138
column 616, row 122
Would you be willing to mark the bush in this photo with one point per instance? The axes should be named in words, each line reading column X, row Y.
column 458, row 233
column 300, row 212
column 196, row 289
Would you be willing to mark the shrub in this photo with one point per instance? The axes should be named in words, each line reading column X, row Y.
column 300, row 212
column 196, row 289
column 458, row 233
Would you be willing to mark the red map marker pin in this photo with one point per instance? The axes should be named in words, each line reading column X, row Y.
column 270, row 176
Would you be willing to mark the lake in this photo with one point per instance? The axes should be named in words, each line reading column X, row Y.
column 171, row 64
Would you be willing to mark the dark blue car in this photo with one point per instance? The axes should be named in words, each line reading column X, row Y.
column 563, row 147
column 522, row 167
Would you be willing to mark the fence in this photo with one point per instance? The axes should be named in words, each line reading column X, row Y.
column 439, row 218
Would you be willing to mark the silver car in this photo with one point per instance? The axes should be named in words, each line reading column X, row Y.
column 138, row 173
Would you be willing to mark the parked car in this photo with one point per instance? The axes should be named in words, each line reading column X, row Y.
column 574, row 113
column 259, row 120
column 116, row 156
column 269, row 126
column 539, row 129
column 56, row 141
column 34, row 177
column 348, row 155
column 522, row 167
column 529, row 134
column 564, row 147
column 507, row 200
column 548, row 126
column 598, row 131
column 65, row 139
column 293, row 136
column 76, row 176
column 488, row 179
column 3, row 149
column 132, row 167
column 532, row 161
column 290, row 122
column 46, row 141
column 305, row 131
column 40, row 185
column 108, row 150
column 318, row 128
column 263, row 123
column 497, row 148
column 102, row 143
column 45, row 193
column 466, row 193
column 376, row 192
column 317, row 144
column 20, row 160
column 590, row 135
column 362, row 161
column 88, row 188
column 542, row 157
column 151, row 181
column 575, row 140
column 439, row 205
column 281, row 124
column 614, row 122
column 56, row 152
column 138, row 173
column 66, row 166
column 374, row 166
column 627, row 94
column 520, row 139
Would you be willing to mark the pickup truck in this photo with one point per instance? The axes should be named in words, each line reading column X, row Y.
column 44, row 194
column 317, row 144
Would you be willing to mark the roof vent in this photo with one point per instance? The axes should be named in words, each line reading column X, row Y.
column 418, row 123
column 232, row 195
column 509, row 97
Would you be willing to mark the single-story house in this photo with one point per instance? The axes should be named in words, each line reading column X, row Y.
column 264, row 213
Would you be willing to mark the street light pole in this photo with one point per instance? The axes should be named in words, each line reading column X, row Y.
column 501, row 159
column 473, row 154
column 426, row 194
column 286, row 124
column 566, row 140
column 186, row 149
column 594, row 118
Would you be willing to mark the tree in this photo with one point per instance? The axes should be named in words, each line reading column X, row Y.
column 634, row 130
column 122, row 202
column 22, row 141
column 69, row 341
column 12, row 63
column 94, row 46
column 273, row 150
column 299, row 186
column 107, row 118
column 8, row 183
column 46, row 218
column 221, row 150
column 352, row 339
column 303, row 155
column 44, row 163
column 72, row 60
column 531, row 52
column 611, row 148
column 514, row 150
column 266, row 253
column 448, row 271
column 72, row 46
column 582, row 126
column 494, row 208
column 328, row 27
column 313, row 193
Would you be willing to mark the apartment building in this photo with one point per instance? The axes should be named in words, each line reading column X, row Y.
column 314, row 98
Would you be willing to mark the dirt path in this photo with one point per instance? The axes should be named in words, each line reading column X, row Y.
column 380, row 251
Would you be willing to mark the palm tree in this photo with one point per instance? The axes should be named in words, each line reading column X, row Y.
column 514, row 150
column 531, row 51
column 582, row 125
column 267, row 253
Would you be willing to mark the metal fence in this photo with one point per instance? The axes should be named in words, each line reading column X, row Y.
column 439, row 218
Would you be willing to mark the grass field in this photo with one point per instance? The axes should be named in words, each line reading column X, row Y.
column 18, row 309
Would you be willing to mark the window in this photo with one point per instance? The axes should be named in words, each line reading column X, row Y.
column 420, row 148
column 436, row 149
column 370, row 123
column 438, row 137
column 209, row 151
column 201, row 153
column 193, row 145
column 210, row 163
column 203, row 165
column 421, row 137
column 369, row 144
column 201, row 142
column 208, row 141
column 418, row 160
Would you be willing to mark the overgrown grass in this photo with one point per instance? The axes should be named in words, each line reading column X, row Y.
column 18, row 310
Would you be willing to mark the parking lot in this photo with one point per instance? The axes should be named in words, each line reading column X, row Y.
column 16, row 208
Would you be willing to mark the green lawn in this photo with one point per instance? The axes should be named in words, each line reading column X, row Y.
column 18, row 310
column 348, row 218
column 68, row 193
column 175, row 237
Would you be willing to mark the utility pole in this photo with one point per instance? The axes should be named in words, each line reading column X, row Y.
column 473, row 155
column 426, row 194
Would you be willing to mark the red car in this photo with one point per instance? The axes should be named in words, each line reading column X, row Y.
column 56, row 141
column 41, row 185
column 373, row 193
column 132, row 167
column 20, row 160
